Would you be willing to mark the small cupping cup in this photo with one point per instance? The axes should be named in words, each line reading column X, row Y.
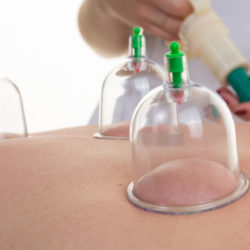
column 12, row 118
column 124, row 87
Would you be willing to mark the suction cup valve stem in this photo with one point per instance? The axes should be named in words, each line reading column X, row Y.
column 137, row 43
column 175, row 64
column 137, row 48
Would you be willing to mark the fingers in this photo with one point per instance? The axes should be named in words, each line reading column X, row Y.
column 176, row 8
column 159, row 32
column 226, row 90
column 230, row 98
column 159, row 23
column 243, row 110
column 167, row 23
column 240, row 109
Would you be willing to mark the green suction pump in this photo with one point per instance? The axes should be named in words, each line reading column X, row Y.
column 206, row 37
column 240, row 82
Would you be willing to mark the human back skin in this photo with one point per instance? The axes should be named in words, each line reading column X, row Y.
column 66, row 190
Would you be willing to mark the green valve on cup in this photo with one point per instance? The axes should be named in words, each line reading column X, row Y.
column 175, row 64
column 137, row 41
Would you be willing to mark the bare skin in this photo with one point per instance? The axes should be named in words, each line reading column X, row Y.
column 106, row 24
column 66, row 190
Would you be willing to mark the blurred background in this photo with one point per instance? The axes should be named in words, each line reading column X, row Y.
column 42, row 51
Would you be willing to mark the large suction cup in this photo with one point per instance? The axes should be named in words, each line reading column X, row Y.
column 184, row 149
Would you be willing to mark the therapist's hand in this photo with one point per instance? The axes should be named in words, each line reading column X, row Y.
column 240, row 109
column 162, row 18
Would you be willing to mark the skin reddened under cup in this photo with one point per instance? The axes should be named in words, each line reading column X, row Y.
column 118, row 131
column 187, row 186
column 186, row 182
column 9, row 136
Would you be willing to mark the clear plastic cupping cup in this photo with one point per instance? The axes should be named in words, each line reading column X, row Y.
column 12, row 119
column 184, row 152
column 124, row 87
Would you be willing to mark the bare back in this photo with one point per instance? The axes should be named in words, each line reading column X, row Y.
column 65, row 190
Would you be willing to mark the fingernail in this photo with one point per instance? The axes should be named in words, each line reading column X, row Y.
column 240, row 112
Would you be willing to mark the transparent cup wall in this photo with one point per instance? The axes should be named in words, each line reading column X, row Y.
column 12, row 120
column 184, row 151
column 122, row 90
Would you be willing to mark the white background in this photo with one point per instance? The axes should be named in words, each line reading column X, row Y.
column 59, row 76
column 42, row 51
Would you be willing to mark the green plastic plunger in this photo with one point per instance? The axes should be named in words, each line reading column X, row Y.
column 175, row 63
column 137, row 41
column 240, row 82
